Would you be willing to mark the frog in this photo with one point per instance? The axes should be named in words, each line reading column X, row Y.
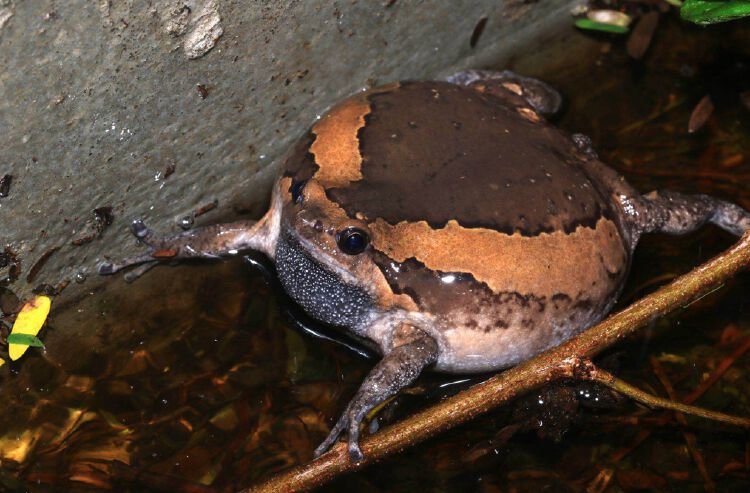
column 450, row 225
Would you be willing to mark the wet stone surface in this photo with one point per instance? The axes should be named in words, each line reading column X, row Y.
column 101, row 99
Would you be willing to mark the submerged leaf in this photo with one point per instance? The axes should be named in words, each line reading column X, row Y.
column 610, row 17
column 700, row 114
column 642, row 34
column 714, row 11
column 28, row 322
column 25, row 340
column 598, row 26
column 745, row 99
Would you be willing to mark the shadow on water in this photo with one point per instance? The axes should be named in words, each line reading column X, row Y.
column 196, row 379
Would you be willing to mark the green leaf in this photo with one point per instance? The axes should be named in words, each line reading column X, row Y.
column 598, row 26
column 706, row 12
column 25, row 340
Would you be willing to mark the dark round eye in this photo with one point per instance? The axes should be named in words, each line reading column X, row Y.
column 296, row 190
column 352, row 241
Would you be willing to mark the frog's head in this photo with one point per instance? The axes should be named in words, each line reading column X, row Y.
column 325, row 258
column 326, row 232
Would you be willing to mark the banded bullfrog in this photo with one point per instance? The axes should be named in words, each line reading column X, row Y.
column 451, row 225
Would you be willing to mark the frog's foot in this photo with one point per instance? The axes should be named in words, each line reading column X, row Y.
column 140, row 231
column 506, row 84
column 399, row 368
column 108, row 267
column 676, row 213
column 208, row 242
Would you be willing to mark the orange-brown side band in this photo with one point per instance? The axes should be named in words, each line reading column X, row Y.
column 544, row 265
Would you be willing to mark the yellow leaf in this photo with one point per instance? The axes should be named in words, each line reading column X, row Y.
column 29, row 321
column 2, row 362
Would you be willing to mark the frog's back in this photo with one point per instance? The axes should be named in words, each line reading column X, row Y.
column 479, row 211
column 446, row 152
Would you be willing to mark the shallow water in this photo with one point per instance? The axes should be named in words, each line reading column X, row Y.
column 196, row 378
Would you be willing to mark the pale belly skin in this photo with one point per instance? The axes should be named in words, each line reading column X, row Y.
column 450, row 225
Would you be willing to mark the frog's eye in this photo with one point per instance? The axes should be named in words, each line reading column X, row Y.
column 352, row 241
column 296, row 190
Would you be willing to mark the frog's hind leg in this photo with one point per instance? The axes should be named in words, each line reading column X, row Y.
column 414, row 350
column 671, row 212
column 510, row 86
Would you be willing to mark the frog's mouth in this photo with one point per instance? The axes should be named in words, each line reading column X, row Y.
column 325, row 291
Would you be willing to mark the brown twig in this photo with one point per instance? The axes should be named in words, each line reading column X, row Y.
column 690, row 440
column 722, row 368
column 601, row 481
column 608, row 380
column 619, row 421
column 558, row 362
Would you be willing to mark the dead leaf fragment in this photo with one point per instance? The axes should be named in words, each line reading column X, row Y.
column 745, row 98
column 643, row 33
column 700, row 114
column 29, row 322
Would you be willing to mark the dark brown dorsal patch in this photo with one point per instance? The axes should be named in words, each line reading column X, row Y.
column 434, row 151
column 300, row 162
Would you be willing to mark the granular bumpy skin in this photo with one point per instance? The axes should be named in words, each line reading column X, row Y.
column 317, row 290
column 672, row 212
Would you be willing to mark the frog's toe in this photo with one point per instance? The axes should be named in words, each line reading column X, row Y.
column 349, row 421
column 140, row 270
column 341, row 424
column 158, row 246
column 105, row 268
column 108, row 267
column 355, row 453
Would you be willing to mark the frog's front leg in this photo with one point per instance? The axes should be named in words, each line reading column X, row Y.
column 413, row 350
column 509, row 85
column 665, row 211
column 207, row 242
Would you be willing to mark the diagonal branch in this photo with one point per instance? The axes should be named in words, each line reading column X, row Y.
column 690, row 439
column 556, row 363
column 715, row 375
